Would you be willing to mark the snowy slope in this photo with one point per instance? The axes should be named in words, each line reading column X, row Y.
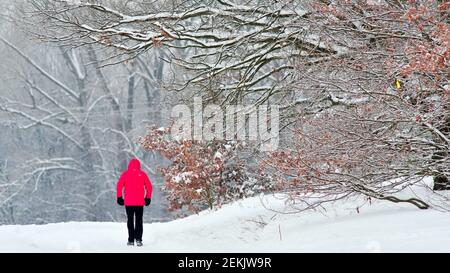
column 247, row 226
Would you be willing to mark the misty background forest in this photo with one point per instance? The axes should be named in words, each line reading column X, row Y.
column 69, row 127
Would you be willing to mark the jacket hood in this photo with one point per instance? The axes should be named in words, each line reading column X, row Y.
column 134, row 164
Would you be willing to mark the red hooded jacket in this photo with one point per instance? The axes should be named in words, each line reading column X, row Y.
column 136, row 184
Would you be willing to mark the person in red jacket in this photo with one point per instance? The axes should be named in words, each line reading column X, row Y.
column 134, row 190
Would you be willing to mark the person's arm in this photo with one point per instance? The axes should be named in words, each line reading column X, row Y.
column 148, row 189
column 119, row 190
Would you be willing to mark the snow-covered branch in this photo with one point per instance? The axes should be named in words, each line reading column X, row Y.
column 72, row 94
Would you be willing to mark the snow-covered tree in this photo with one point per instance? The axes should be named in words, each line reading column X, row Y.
column 379, row 120
column 57, row 107
column 202, row 174
column 371, row 76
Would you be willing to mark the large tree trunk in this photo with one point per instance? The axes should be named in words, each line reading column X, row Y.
column 118, row 121
column 87, row 157
column 130, row 101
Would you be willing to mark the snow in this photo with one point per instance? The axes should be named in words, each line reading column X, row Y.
column 182, row 177
column 252, row 225
column 218, row 155
column 76, row 63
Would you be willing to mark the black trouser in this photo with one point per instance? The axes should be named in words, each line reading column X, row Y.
column 134, row 231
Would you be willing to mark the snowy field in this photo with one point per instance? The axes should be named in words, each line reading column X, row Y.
column 248, row 226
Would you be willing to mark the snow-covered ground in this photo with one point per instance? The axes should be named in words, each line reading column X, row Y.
column 247, row 226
